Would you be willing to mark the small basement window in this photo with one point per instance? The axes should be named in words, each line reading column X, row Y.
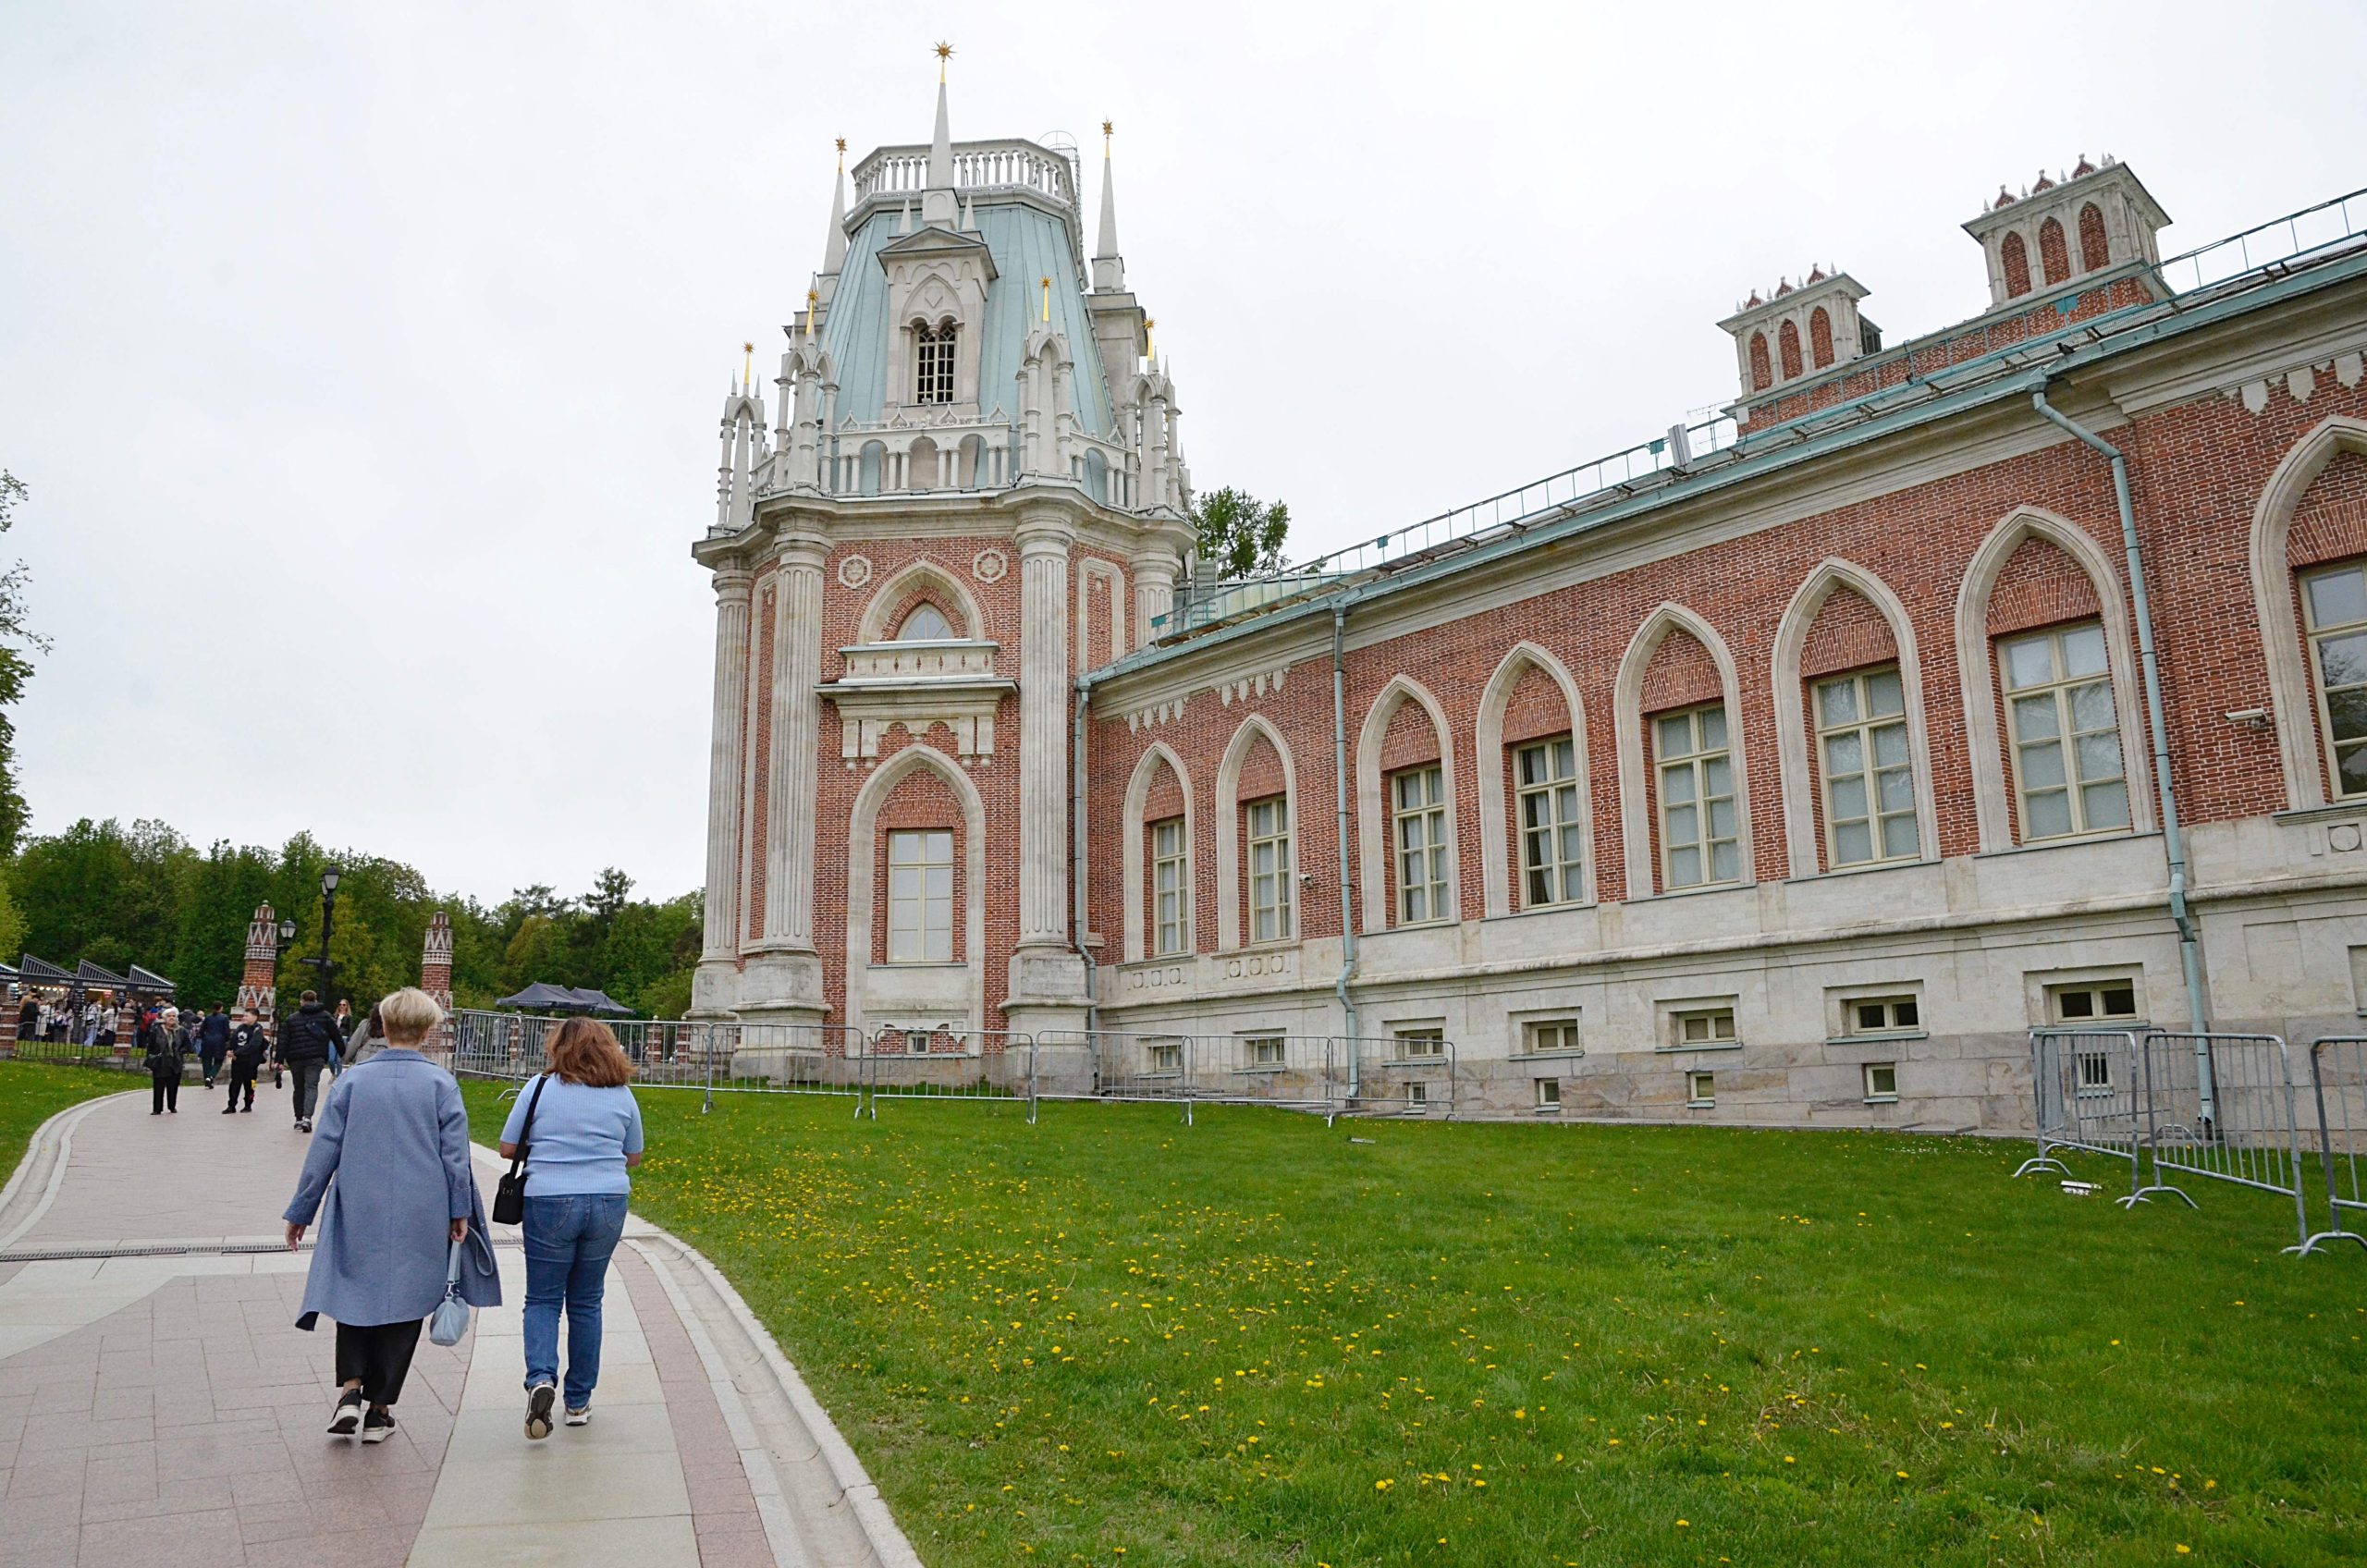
column 1424, row 1044
column 1541, row 1036
column 1265, row 1050
column 1417, row 1095
column 1882, row 1083
column 1548, row 1094
column 1884, row 1015
column 1700, row 1090
column 1702, row 1026
column 2094, row 1002
column 1167, row 1056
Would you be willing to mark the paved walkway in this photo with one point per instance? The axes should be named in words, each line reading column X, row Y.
column 164, row 1409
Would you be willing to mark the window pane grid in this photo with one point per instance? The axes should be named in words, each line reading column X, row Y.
column 933, row 363
column 1699, row 827
column 2335, row 605
column 1553, row 840
column 1420, row 797
column 1869, row 782
column 920, row 896
column 1269, row 870
column 1170, row 890
column 2068, row 768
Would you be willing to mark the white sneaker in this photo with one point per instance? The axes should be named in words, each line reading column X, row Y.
column 347, row 1417
column 578, row 1417
column 379, row 1426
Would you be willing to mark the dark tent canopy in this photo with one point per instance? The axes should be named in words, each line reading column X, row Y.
column 147, row 980
column 599, row 1001
column 89, row 975
column 40, row 971
column 542, row 998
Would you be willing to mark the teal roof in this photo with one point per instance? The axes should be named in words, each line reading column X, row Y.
column 1027, row 244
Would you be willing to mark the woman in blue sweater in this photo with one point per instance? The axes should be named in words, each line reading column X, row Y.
column 579, row 1130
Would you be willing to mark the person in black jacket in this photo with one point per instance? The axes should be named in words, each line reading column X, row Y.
column 249, row 1046
column 166, row 1044
column 212, row 1041
column 304, row 1041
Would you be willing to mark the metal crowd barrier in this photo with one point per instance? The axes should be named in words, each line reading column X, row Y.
column 2088, row 1096
column 2338, row 1095
column 2221, row 1109
column 1331, row 1074
column 970, row 1064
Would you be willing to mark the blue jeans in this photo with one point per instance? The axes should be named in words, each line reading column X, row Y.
column 568, row 1243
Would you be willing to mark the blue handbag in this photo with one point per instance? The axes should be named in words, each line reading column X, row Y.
column 450, row 1319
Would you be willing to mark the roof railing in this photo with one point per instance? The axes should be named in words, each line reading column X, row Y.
column 2265, row 250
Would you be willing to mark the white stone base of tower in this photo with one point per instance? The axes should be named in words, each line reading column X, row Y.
column 1049, row 1001
column 780, row 985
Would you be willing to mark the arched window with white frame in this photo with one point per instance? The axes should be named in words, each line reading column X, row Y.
column 933, row 348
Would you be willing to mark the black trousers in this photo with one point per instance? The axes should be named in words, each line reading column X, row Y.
column 168, row 1092
column 378, row 1354
column 308, row 1080
column 209, row 1061
column 242, row 1076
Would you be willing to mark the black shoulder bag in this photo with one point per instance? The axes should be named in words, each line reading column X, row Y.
column 509, row 1193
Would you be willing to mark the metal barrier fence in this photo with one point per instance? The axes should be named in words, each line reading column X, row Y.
column 2220, row 1107
column 69, row 1053
column 2087, row 1085
column 972, row 1064
column 2339, row 1096
column 1414, row 1075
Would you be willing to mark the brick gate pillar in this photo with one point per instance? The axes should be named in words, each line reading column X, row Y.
column 435, row 977
column 259, row 982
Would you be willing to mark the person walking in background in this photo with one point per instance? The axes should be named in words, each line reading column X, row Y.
column 366, row 1041
column 390, row 1162
column 578, row 1129
column 305, row 1042
column 107, row 1027
column 249, row 1046
column 28, row 1020
column 212, row 1043
column 166, row 1047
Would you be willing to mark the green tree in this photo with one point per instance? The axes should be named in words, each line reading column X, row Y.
column 1240, row 536
column 16, row 668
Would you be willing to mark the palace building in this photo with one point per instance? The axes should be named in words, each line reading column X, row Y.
column 1787, row 767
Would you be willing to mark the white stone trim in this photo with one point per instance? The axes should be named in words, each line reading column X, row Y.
column 1986, row 744
column 1133, row 851
column 891, row 592
column 863, row 832
column 1496, row 869
column 1373, row 813
column 1793, row 733
column 1627, row 718
column 2290, row 698
column 1229, row 867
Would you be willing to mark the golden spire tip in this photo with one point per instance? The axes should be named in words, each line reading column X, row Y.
column 944, row 53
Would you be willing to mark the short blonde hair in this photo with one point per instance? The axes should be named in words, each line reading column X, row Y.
column 409, row 1014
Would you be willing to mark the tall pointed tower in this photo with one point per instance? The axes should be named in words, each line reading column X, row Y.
column 975, row 490
column 258, row 983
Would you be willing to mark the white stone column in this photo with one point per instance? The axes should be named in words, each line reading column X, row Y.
column 1044, row 695
column 783, row 981
column 725, row 764
column 1154, row 592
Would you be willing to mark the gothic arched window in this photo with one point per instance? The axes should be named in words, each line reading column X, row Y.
column 926, row 624
column 933, row 362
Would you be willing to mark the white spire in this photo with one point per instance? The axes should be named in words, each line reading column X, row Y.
column 904, row 218
column 940, row 147
column 834, row 252
column 1109, row 267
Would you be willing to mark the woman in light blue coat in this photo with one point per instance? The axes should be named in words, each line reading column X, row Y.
column 390, row 1156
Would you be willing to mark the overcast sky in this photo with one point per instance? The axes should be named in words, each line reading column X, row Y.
column 364, row 359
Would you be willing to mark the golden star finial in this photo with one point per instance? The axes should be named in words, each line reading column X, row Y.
column 944, row 53
column 1107, row 127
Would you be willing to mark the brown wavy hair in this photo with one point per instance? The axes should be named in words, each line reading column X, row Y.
column 584, row 1050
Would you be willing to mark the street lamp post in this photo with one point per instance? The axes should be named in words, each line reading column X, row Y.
column 324, row 964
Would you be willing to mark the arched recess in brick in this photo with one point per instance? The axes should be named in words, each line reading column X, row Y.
column 1804, row 854
column 1820, row 337
column 1762, row 368
column 1496, row 865
column 1135, row 852
column 2095, row 248
column 863, row 828
column 1975, row 667
column 1230, row 872
column 1628, row 723
column 2053, row 255
column 2015, row 258
column 1787, row 341
column 2291, row 700
column 1372, row 806
column 921, row 579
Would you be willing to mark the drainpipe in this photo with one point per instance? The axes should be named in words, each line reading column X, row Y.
column 2172, row 837
column 1076, row 857
column 1340, row 784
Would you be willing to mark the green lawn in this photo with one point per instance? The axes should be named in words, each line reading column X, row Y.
column 32, row 1092
column 1110, row 1337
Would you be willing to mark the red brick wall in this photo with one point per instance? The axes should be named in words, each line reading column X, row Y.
column 2331, row 521
column 1820, row 337
column 921, row 798
column 1681, row 674
column 2055, row 257
column 2040, row 587
column 2095, row 248
column 1848, row 633
column 2196, row 469
column 2016, row 259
